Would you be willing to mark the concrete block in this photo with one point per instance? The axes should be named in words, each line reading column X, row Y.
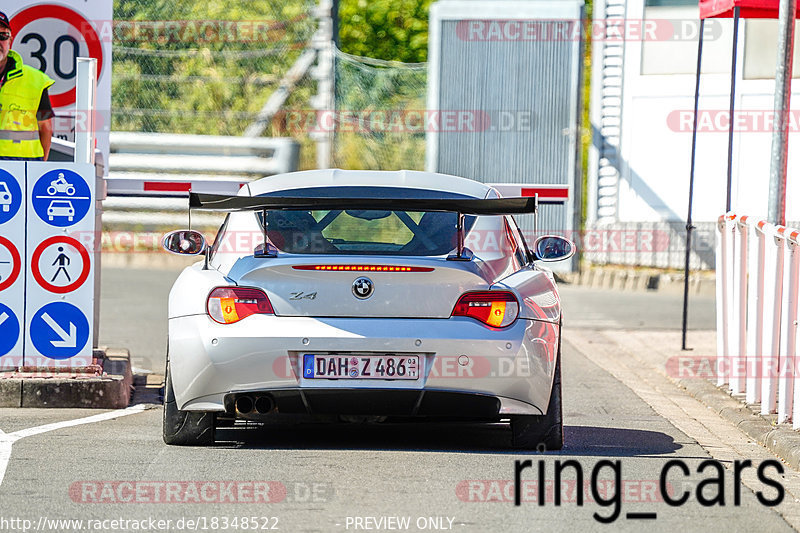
column 111, row 390
column 10, row 392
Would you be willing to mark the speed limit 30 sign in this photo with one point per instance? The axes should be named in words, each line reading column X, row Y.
column 50, row 36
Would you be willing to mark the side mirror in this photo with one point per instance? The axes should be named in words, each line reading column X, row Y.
column 184, row 242
column 553, row 248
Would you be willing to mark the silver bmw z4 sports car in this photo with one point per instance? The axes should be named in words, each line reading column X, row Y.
column 365, row 295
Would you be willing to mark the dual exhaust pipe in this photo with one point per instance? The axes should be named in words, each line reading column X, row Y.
column 246, row 404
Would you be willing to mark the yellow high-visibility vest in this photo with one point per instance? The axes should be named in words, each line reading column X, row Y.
column 19, row 101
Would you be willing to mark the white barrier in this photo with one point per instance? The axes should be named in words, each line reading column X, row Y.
column 758, row 279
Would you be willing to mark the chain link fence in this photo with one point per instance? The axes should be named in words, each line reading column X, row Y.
column 209, row 68
column 380, row 119
column 205, row 67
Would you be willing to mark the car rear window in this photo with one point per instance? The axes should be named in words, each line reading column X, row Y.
column 364, row 232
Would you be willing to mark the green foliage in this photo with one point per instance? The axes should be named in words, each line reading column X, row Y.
column 393, row 30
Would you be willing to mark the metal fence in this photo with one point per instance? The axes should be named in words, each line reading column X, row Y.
column 648, row 244
column 758, row 265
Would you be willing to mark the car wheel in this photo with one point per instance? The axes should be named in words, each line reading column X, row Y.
column 541, row 432
column 185, row 428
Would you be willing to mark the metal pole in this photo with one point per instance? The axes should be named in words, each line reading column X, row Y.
column 689, row 225
column 324, row 101
column 730, row 108
column 776, row 211
column 85, row 96
column 335, row 22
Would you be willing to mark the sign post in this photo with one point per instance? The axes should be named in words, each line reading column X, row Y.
column 86, row 94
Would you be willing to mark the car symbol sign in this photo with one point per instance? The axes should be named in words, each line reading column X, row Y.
column 363, row 288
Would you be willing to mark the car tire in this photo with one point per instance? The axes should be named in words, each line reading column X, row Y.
column 185, row 428
column 541, row 432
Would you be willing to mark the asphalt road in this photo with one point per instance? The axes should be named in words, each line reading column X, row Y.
column 350, row 477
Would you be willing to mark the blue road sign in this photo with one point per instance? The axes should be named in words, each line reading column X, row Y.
column 61, row 198
column 59, row 330
column 9, row 329
column 10, row 196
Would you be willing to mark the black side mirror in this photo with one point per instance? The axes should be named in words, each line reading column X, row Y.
column 553, row 248
column 184, row 242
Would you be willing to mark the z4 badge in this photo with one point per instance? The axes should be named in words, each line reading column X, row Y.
column 303, row 296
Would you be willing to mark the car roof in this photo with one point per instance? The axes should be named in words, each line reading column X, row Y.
column 332, row 177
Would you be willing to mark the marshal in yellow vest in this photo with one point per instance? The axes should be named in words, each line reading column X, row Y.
column 19, row 102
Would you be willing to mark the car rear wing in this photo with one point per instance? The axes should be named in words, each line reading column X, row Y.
column 461, row 206
column 465, row 206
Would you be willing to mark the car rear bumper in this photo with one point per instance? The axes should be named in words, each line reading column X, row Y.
column 465, row 365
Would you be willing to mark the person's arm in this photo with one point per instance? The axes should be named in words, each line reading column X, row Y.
column 45, row 116
column 45, row 135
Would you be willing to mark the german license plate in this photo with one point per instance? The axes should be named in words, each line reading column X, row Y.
column 321, row 366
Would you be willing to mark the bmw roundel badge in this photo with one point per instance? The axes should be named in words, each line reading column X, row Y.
column 363, row 288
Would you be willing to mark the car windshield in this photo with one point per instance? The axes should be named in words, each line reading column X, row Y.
column 358, row 231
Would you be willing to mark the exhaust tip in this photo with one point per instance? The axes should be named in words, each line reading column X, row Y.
column 244, row 404
column 264, row 405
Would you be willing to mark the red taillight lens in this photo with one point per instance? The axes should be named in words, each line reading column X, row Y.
column 494, row 308
column 227, row 305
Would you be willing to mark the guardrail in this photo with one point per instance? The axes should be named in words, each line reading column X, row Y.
column 758, row 264
column 150, row 172
column 168, row 153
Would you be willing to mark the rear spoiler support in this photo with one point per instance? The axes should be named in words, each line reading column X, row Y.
column 462, row 254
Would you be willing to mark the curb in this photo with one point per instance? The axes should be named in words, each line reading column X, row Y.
column 105, row 386
column 783, row 442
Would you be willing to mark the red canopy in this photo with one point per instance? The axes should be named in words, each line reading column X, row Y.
column 749, row 9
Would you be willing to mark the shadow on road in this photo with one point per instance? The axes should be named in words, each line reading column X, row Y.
column 448, row 437
column 604, row 441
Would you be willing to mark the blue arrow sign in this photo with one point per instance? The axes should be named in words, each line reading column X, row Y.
column 9, row 329
column 10, row 196
column 59, row 330
column 61, row 198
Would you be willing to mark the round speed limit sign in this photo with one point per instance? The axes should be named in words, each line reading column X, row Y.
column 51, row 37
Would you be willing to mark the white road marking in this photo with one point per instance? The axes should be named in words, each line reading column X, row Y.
column 8, row 439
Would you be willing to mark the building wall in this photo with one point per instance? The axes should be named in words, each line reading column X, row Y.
column 641, row 119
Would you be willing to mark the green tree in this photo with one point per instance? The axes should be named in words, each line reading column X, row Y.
column 393, row 30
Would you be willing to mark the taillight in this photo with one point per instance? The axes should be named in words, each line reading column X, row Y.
column 227, row 305
column 494, row 308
